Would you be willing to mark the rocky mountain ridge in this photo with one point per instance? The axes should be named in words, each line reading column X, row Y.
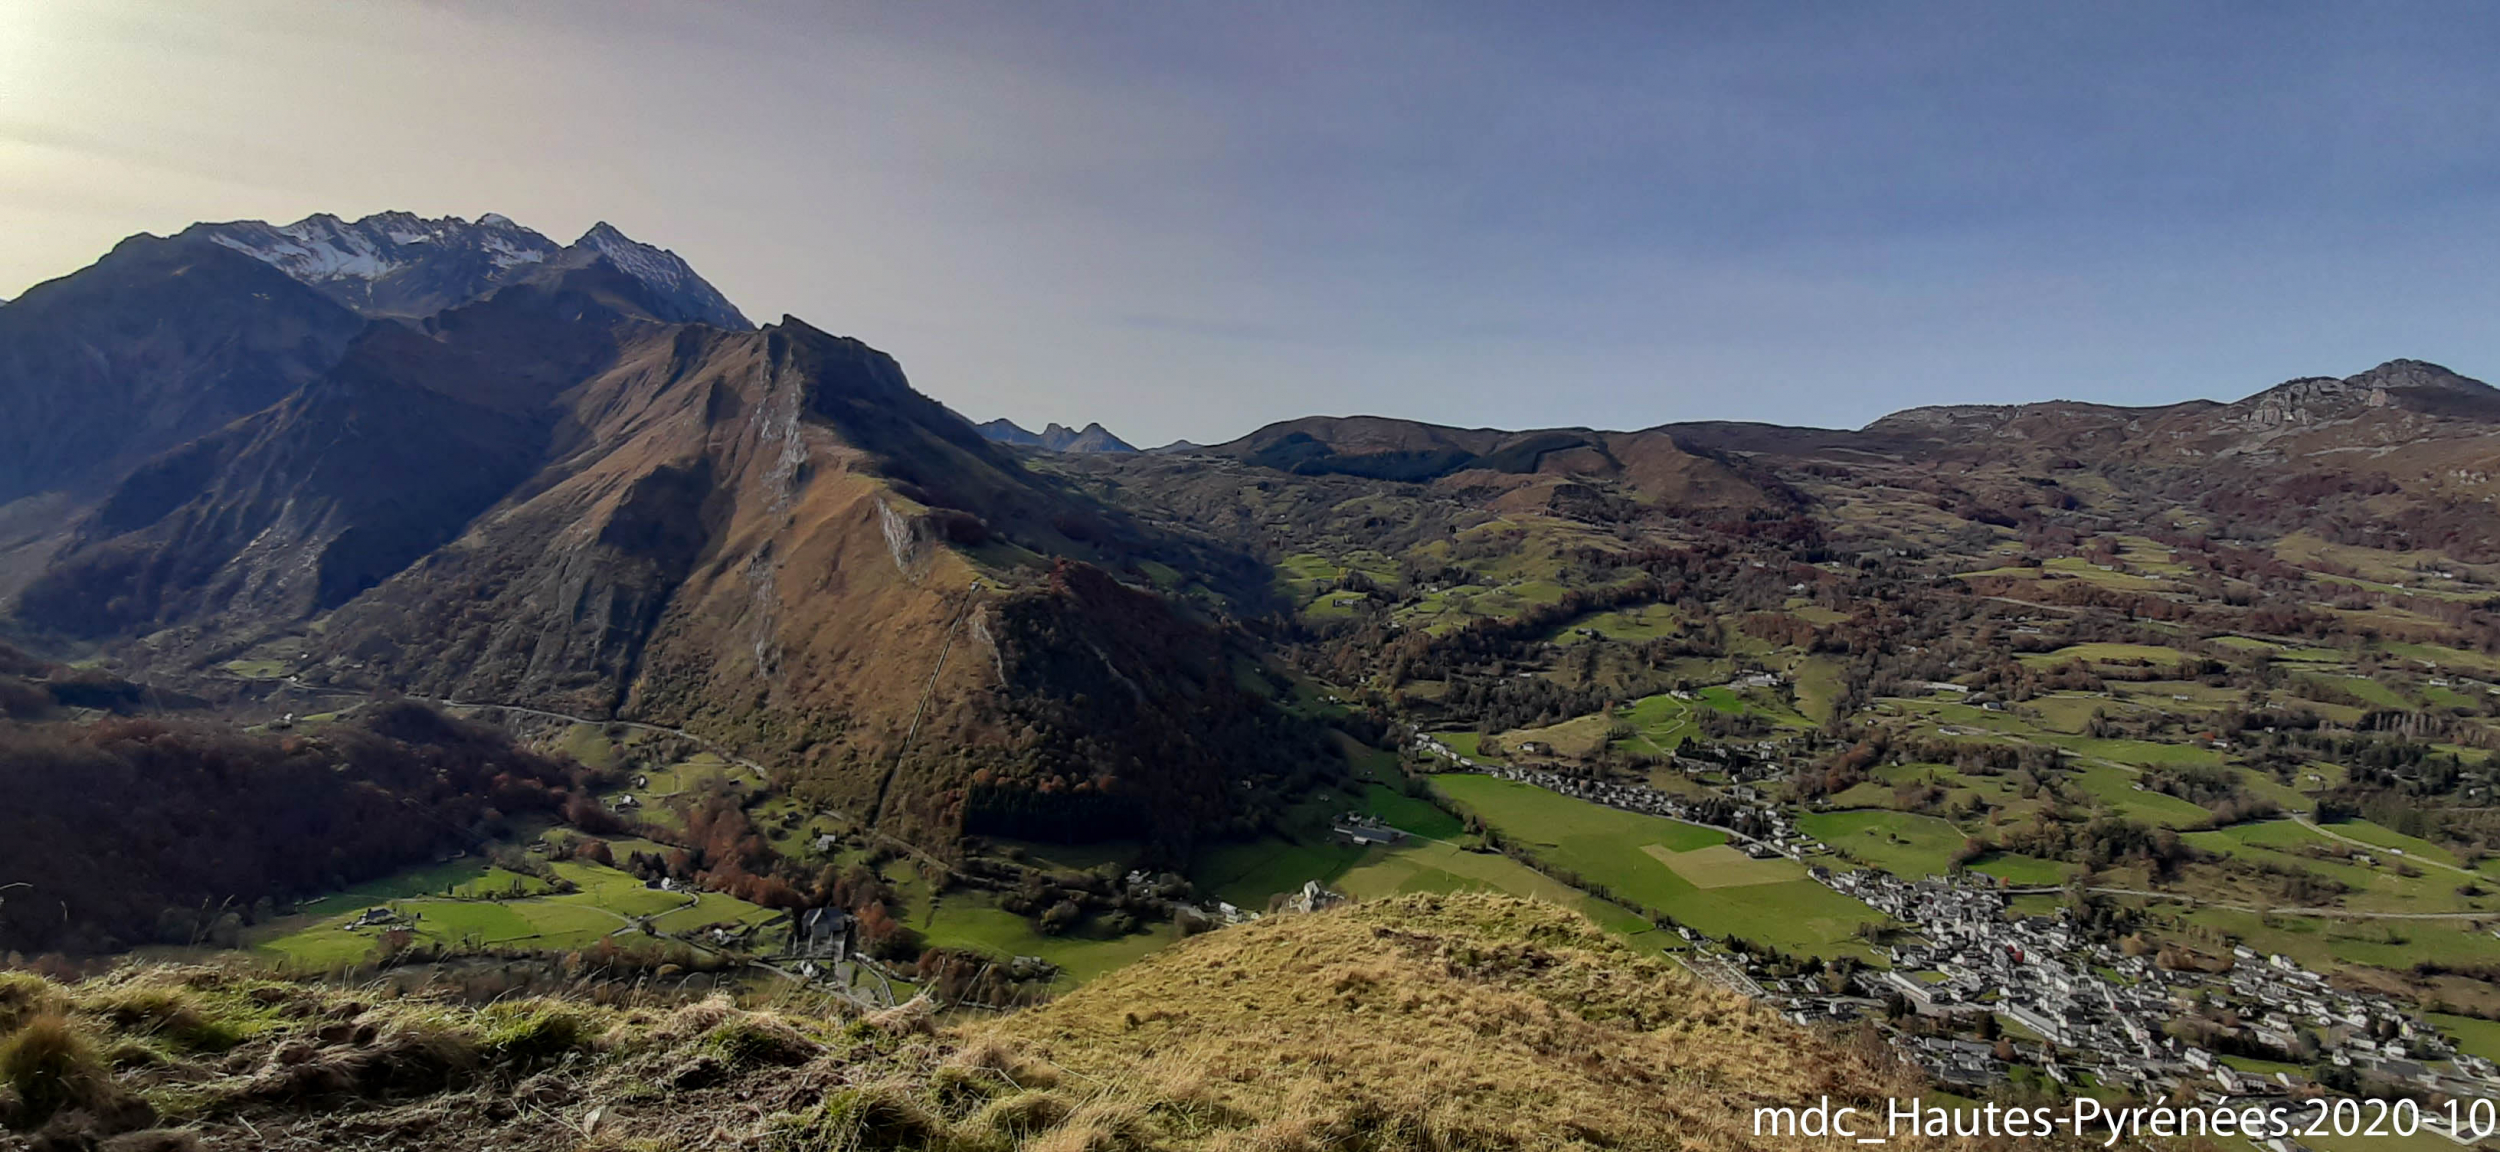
column 399, row 264
column 1056, row 437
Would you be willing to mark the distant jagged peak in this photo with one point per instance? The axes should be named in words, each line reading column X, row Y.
column 1006, row 431
column 1096, row 438
column 665, row 272
column 1056, row 437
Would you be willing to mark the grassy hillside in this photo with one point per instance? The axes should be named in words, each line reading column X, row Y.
column 1427, row 1021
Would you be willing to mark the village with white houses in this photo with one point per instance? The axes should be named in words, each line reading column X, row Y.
column 2084, row 1014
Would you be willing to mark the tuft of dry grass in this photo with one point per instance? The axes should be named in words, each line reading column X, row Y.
column 48, row 1063
column 914, row 1016
column 24, row 996
column 1099, row 1126
column 1022, row 1116
column 166, row 1012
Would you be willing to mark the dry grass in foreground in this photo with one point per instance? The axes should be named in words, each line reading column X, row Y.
column 1424, row 1023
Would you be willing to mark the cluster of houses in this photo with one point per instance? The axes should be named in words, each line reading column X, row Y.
column 2109, row 1013
column 2110, row 1010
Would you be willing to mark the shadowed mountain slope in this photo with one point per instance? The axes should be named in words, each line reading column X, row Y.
column 159, row 342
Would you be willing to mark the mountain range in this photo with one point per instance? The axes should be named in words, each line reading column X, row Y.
column 451, row 458
column 399, row 264
column 1056, row 438
column 456, row 460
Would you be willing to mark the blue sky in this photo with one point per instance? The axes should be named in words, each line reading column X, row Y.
column 1188, row 220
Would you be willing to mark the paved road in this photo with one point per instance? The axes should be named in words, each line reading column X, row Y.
column 2383, row 850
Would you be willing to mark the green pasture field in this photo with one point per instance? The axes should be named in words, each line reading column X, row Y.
column 2023, row 871
column 606, row 902
column 1660, row 724
column 1602, row 845
column 1410, row 814
column 975, row 923
column 2286, row 844
column 1903, row 844
column 711, row 908
column 1753, row 701
column 2412, row 846
column 1818, row 687
column 2444, row 657
column 1641, row 622
column 2140, row 753
column 426, row 880
column 2474, row 1037
column 1465, row 744
column 1441, row 867
column 1246, row 873
column 1576, row 737
column 2368, row 690
column 2116, row 788
column 2328, row 944
column 2106, row 654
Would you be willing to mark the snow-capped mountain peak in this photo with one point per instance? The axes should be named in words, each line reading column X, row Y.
column 391, row 263
column 666, row 273
column 402, row 264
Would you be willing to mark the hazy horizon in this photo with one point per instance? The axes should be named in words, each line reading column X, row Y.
column 1185, row 225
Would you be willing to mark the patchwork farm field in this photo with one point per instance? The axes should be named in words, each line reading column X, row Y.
column 606, row 903
column 1441, row 867
column 1622, row 851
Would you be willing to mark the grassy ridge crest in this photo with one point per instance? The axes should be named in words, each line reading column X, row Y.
column 1420, row 1022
